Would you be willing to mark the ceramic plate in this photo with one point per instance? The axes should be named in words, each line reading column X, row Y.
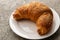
column 27, row 29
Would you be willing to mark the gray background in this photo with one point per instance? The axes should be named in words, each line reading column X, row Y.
column 7, row 7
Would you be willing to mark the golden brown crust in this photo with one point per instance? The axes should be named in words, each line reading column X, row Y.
column 44, row 23
column 37, row 12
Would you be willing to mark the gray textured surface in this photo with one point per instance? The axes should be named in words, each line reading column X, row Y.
column 7, row 7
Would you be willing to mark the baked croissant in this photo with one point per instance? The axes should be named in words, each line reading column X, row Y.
column 38, row 13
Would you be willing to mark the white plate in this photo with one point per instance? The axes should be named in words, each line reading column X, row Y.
column 27, row 29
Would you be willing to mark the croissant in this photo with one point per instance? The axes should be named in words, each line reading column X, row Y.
column 38, row 13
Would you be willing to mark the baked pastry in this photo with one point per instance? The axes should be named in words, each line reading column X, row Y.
column 38, row 13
